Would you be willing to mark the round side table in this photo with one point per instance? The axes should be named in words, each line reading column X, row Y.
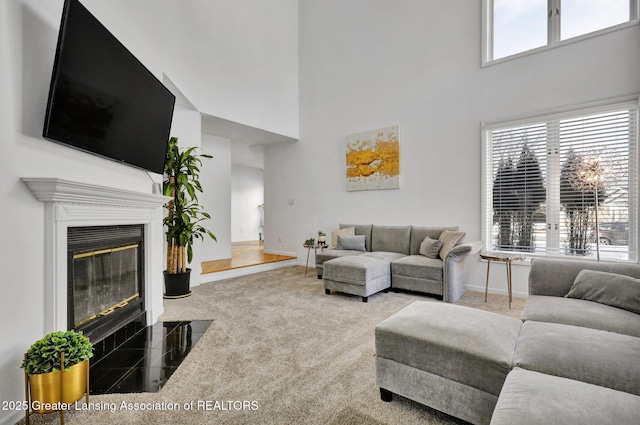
column 507, row 259
column 321, row 245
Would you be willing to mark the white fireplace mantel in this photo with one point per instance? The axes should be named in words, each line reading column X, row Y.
column 75, row 204
column 65, row 191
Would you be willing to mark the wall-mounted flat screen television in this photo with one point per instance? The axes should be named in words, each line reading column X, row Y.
column 102, row 99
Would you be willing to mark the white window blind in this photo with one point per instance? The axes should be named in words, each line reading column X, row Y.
column 545, row 177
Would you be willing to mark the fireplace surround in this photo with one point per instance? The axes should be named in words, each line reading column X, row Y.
column 69, row 204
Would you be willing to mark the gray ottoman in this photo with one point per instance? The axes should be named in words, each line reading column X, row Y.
column 357, row 275
column 452, row 358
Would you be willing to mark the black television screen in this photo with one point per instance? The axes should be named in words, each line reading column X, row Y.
column 102, row 99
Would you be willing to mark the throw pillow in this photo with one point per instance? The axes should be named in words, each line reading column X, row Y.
column 346, row 231
column 354, row 243
column 430, row 247
column 449, row 239
column 611, row 289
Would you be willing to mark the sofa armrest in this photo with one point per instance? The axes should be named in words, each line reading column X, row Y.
column 454, row 277
column 462, row 251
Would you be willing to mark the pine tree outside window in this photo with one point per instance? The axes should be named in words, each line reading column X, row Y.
column 545, row 178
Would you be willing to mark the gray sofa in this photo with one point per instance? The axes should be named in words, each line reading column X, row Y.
column 569, row 360
column 400, row 246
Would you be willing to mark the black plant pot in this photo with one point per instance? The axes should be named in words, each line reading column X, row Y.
column 177, row 285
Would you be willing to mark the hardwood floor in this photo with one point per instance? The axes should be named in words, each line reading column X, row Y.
column 243, row 254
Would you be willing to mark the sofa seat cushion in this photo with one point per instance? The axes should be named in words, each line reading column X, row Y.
column 533, row 398
column 356, row 270
column 462, row 344
column 593, row 356
column 385, row 256
column 330, row 254
column 588, row 314
column 419, row 267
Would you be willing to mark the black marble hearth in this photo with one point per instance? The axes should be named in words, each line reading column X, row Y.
column 140, row 358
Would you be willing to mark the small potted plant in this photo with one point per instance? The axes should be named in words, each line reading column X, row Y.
column 321, row 237
column 49, row 382
column 184, row 216
column 309, row 243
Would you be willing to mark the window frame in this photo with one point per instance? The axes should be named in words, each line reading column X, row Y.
column 553, row 31
column 631, row 102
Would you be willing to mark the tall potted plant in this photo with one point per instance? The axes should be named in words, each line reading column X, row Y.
column 183, row 221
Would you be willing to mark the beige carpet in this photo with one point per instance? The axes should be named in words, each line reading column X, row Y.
column 279, row 351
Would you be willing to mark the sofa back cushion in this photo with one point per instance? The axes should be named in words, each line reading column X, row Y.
column 362, row 229
column 419, row 233
column 554, row 277
column 391, row 239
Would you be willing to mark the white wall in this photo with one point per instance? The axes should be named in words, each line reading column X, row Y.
column 249, row 65
column 169, row 37
column 216, row 197
column 247, row 192
column 233, row 59
column 417, row 63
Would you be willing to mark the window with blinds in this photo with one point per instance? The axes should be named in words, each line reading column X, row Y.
column 548, row 181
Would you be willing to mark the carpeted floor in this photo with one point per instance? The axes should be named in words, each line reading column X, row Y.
column 279, row 351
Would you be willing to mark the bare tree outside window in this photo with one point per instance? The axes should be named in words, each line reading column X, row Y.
column 578, row 195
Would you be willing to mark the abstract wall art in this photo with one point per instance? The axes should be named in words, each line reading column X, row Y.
column 373, row 159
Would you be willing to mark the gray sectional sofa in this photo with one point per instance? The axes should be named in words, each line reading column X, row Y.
column 408, row 269
column 573, row 358
column 577, row 358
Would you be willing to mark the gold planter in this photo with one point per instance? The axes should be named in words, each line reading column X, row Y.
column 56, row 391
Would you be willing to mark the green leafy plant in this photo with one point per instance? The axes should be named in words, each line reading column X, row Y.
column 44, row 355
column 184, row 214
column 310, row 242
column 321, row 233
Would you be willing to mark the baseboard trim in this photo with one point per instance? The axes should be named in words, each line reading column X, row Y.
column 286, row 253
column 477, row 288
column 243, row 271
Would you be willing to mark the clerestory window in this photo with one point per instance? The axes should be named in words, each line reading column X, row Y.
column 548, row 180
column 516, row 26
